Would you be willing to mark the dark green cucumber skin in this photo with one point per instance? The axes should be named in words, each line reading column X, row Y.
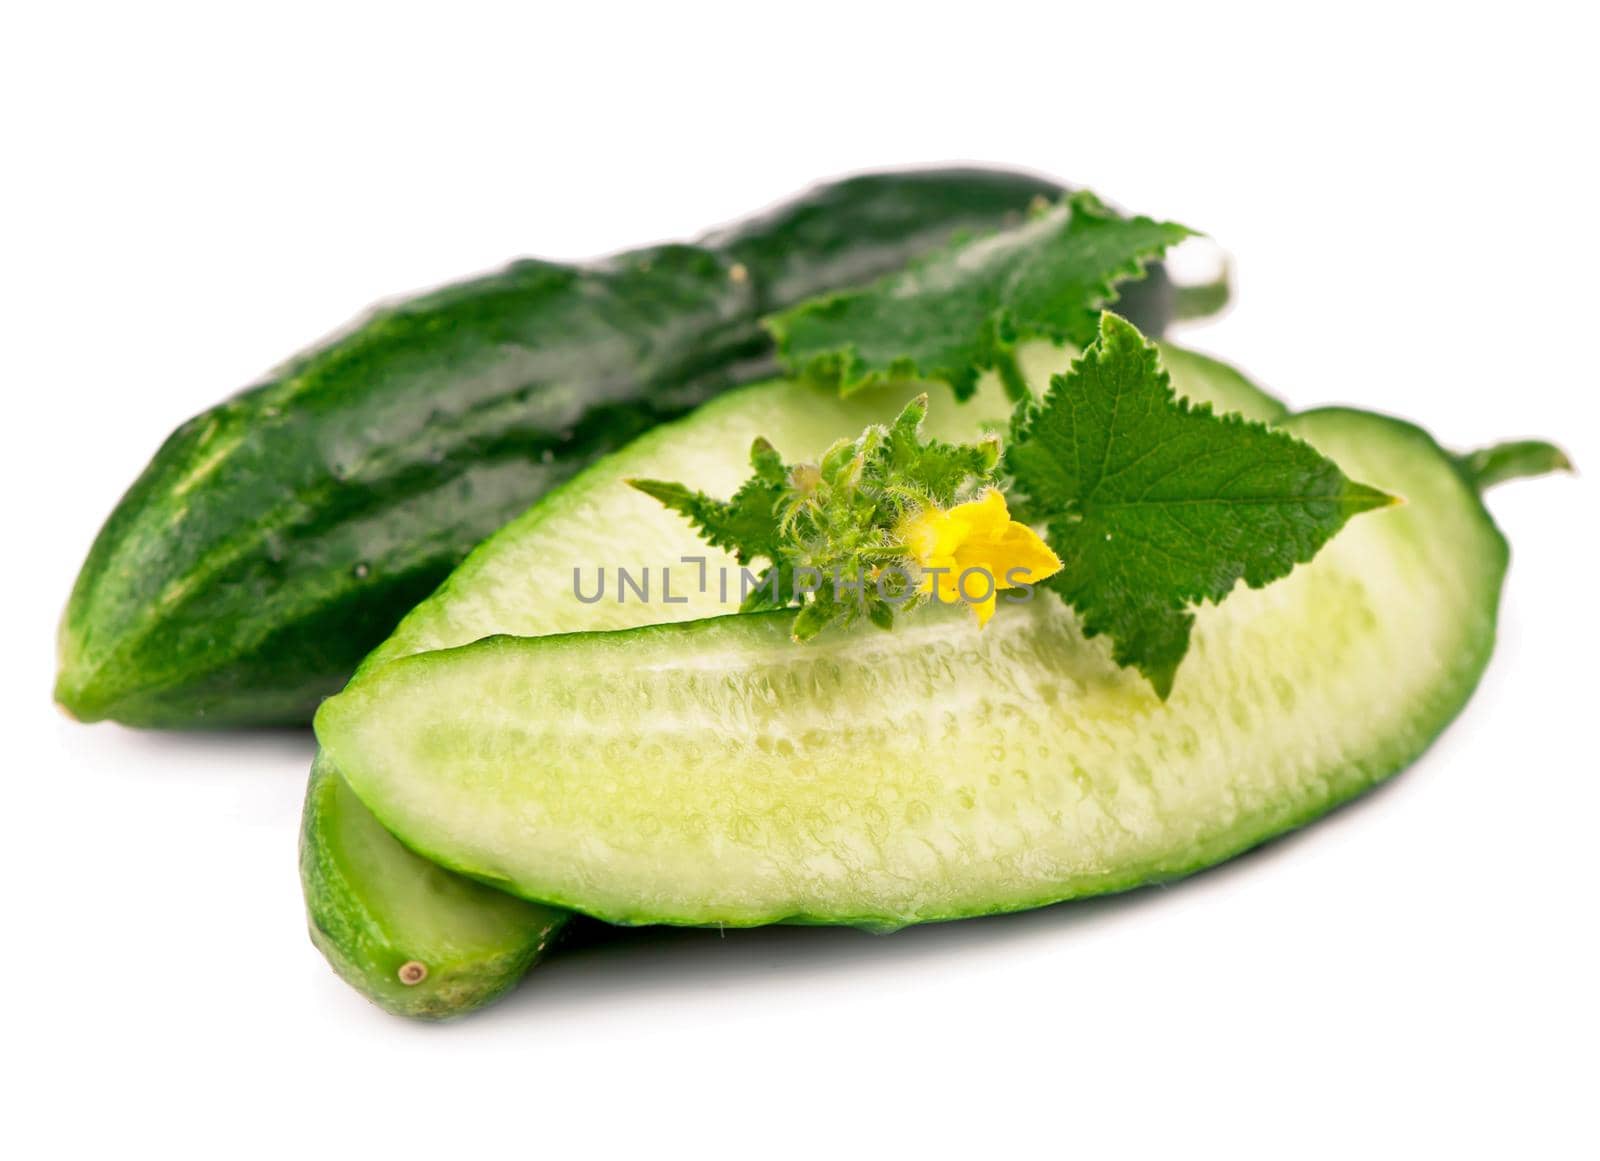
column 278, row 537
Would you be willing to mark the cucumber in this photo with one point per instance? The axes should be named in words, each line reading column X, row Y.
column 714, row 773
column 520, row 580
column 419, row 940
column 276, row 538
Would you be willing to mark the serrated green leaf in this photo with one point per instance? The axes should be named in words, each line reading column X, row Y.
column 962, row 310
column 831, row 530
column 747, row 525
column 1154, row 504
column 940, row 469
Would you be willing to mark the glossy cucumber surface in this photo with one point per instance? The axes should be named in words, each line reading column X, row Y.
column 278, row 537
column 520, row 581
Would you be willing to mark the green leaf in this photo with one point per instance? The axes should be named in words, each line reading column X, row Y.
column 940, row 470
column 747, row 525
column 774, row 589
column 962, row 310
column 833, row 524
column 1154, row 504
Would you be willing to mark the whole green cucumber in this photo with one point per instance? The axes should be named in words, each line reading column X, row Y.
column 278, row 537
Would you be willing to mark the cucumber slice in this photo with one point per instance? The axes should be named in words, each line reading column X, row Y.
column 716, row 773
column 417, row 939
column 520, row 581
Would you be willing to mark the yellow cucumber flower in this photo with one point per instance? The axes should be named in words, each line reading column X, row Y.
column 978, row 535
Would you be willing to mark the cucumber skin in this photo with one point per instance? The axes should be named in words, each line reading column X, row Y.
column 358, row 935
column 276, row 538
column 1444, row 703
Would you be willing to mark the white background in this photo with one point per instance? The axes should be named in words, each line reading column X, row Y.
column 1411, row 201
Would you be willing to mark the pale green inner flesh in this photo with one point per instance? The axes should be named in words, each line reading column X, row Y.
column 375, row 903
column 716, row 773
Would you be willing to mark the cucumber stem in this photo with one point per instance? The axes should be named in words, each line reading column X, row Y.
column 1203, row 299
column 1514, row 460
column 1011, row 378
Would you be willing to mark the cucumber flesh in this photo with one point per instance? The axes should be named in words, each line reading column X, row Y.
column 502, row 588
column 716, row 773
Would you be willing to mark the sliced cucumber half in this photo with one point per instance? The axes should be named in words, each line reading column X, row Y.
column 519, row 581
column 715, row 773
